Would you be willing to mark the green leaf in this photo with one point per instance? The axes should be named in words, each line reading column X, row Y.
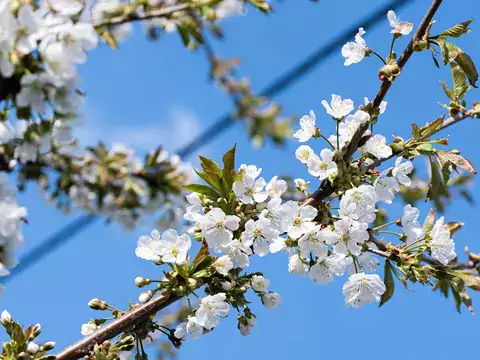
column 429, row 221
column 203, row 189
column 460, row 86
column 456, row 159
column 457, row 30
column 415, row 131
column 184, row 34
column 389, row 283
column 210, row 167
column 449, row 51
column 229, row 167
column 456, row 296
column 426, row 149
column 212, row 182
column 453, row 227
column 468, row 66
column 430, row 129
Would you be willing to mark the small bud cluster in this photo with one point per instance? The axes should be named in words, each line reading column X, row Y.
column 23, row 344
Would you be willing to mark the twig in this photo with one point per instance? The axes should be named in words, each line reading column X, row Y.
column 127, row 321
column 326, row 188
column 165, row 12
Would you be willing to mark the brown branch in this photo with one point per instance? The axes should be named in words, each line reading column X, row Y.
column 164, row 12
column 326, row 188
column 124, row 323
column 447, row 123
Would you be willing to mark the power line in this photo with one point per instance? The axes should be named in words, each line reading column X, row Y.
column 283, row 82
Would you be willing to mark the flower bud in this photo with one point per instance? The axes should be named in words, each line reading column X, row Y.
column 125, row 344
column 49, row 345
column 141, row 281
column 226, row 285
column 5, row 318
column 145, row 296
column 97, row 304
column 389, row 71
column 420, row 45
column 32, row 348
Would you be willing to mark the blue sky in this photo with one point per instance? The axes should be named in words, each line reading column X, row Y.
column 152, row 93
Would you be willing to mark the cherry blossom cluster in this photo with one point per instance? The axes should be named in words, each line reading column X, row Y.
column 11, row 218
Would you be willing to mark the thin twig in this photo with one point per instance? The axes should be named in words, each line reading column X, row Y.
column 326, row 187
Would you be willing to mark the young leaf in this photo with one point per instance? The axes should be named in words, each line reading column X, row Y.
column 210, row 167
column 457, row 30
column 415, row 131
column 430, row 129
column 228, row 167
column 389, row 283
column 467, row 65
column 456, row 159
column 212, row 182
column 429, row 221
column 460, row 86
column 203, row 189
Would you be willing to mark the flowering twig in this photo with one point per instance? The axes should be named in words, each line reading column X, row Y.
column 326, row 188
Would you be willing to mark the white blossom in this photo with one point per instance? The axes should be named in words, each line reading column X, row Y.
column 322, row 166
column 348, row 127
column 301, row 184
column 354, row 52
column 385, row 187
column 217, row 228
column 275, row 188
column 401, row 170
column 32, row 348
column 271, row 300
column 89, row 329
column 411, row 226
column 364, row 262
column 250, row 190
column 323, row 271
column 29, row 23
column 298, row 218
column 211, row 307
column 229, row 8
column 190, row 327
column 173, row 247
column 246, row 328
column 359, row 203
column 5, row 317
column 32, row 93
column 315, row 241
column 381, row 108
column 377, row 146
column 398, row 27
column 259, row 283
column 148, row 247
column 351, row 235
column 66, row 7
column 223, row 265
column 296, row 265
column 442, row 246
column 259, row 234
column 303, row 153
column 362, row 289
column 307, row 128
column 338, row 108
column 237, row 252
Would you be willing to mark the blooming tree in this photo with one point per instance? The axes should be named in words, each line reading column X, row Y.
column 336, row 231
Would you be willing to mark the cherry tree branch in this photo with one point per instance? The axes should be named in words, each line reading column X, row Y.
column 164, row 12
column 447, row 123
column 326, row 188
column 127, row 321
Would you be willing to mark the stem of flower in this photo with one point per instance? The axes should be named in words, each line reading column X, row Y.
column 338, row 136
column 391, row 48
column 384, row 225
column 328, row 141
column 391, row 233
column 379, row 56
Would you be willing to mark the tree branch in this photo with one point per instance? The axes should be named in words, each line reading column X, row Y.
column 326, row 187
column 164, row 12
column 124, row 323
column 447, row 123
